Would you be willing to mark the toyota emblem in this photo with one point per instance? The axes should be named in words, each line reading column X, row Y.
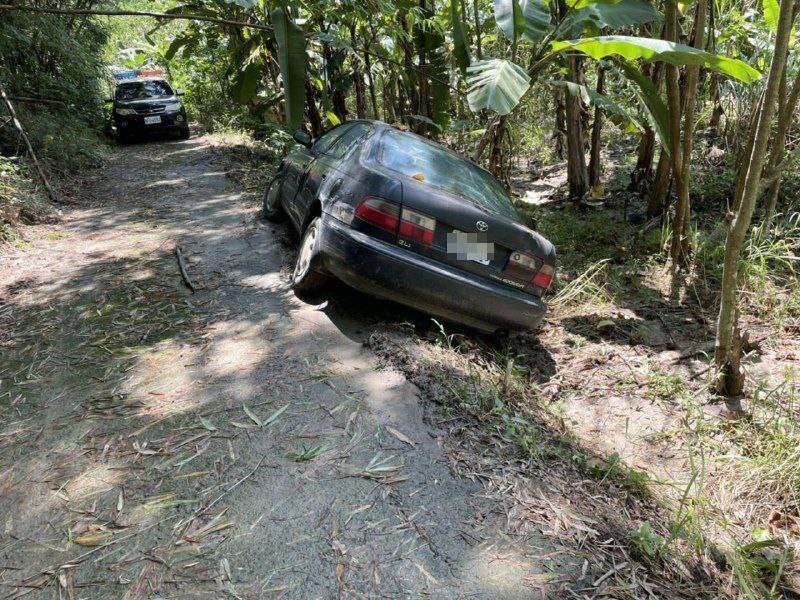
column 481, row 226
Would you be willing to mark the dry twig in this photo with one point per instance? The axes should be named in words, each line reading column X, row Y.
column 182, row 267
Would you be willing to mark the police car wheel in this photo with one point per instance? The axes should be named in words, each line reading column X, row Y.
column 185, row 133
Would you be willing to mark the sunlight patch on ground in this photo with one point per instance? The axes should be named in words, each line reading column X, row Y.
column 271, row 282
column 161, row 183
column 97, row 479
column 163, row 383
column 240, row 350
column 500, row 570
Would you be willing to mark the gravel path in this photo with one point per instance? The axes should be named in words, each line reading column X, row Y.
column 235, row 442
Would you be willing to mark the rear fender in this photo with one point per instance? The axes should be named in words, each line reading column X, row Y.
column 343, row 192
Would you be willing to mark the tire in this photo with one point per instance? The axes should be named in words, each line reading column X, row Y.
column 309, row 275
column 273, row 211
column 123, row 138
column 184, row 133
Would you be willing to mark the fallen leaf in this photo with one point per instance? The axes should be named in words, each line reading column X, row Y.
column 207, row 424
column 93, row 539
column 275, row 415
column 252, row 415
column 400, row 436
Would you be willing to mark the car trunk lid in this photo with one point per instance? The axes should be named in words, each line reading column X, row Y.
column 471, row 237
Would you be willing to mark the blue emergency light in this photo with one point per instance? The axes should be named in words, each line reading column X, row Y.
column 125, row 75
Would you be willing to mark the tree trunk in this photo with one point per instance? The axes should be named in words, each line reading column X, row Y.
column 717, row 112
column 314, row 118
column 389, row 97
column 477, row 16
column 774, row 171
column 597, row 127
column 371, row 83
column 496, row 157
column 681, row 244
column 358, row 77
column 728, row 347
column 334, row 58
column 577, row 174
column 659, row 192
column 410, row 105
column 641, row 178
column 560, row 128
column 643, row 171
column 423, row 76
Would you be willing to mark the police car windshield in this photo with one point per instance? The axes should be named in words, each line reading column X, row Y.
column 143, row 90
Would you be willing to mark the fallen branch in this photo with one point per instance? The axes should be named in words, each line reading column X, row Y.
column 24, row 137
column 182, row 267
column 85, row 12
column 29, row 100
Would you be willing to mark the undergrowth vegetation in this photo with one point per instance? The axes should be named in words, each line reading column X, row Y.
column 52, row 69
column 20, row 199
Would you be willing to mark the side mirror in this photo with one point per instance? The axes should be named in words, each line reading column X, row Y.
column 301, row 137
column 179, row 92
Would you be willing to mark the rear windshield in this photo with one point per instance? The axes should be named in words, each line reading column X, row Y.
column 143, row 90
column 436, row 166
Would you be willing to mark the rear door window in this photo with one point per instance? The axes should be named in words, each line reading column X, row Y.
column 327, row 139
column 346, row 143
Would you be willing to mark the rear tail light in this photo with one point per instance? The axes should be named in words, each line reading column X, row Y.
column 416, row 226
column 526, row 267
column 379, row 212
column 544, row 278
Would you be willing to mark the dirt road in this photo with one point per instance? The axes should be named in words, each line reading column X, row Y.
column 233, row 442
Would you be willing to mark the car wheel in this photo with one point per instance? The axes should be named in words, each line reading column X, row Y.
column 123, row 138
column 273, row 211
column 309, row 274
column 185, row 133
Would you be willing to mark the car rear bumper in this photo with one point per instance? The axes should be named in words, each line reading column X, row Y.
column 391, row 272
column 135, row 123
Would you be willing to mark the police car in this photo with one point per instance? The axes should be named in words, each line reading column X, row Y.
column 145, row 103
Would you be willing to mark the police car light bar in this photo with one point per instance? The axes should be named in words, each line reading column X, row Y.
column 131, row 74
column 125, row 75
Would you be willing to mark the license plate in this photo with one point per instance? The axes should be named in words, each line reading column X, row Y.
column 470, row 246
column 152, row 120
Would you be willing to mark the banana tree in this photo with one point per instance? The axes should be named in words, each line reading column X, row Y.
column 499, row 84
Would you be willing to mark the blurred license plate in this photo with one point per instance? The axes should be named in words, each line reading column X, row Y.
column 470, row 246
column 152, row 120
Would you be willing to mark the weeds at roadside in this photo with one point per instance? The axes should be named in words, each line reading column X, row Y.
column 21, row 201
column 307, row 453
column 495, row 388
